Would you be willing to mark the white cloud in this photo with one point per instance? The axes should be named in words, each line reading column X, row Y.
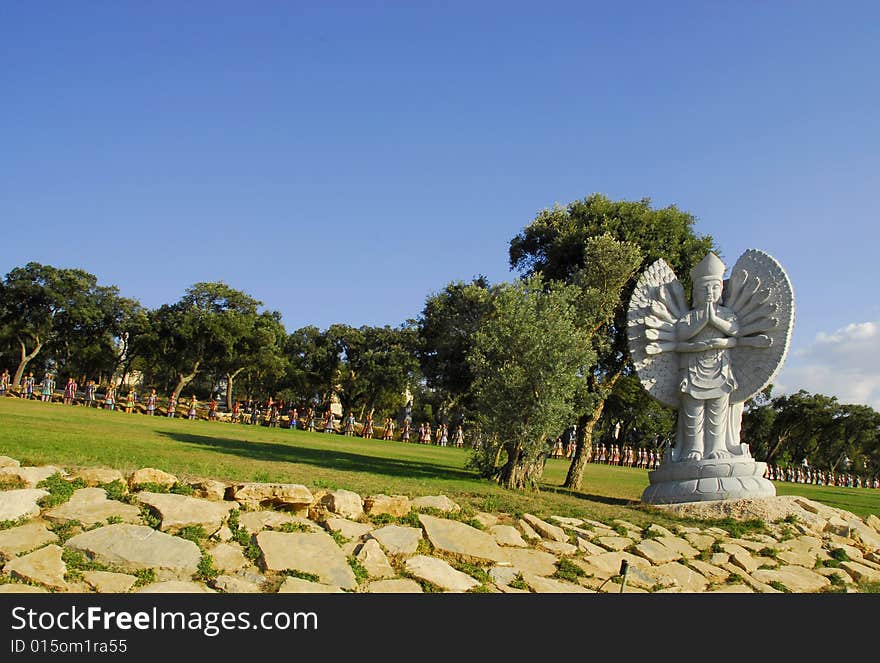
column 844, row 363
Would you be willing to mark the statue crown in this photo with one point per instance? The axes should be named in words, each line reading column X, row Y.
column 709, row 267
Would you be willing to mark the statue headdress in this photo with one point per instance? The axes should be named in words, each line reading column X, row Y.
column 709, row 267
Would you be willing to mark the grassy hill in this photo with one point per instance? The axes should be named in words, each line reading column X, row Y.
column 41, row 433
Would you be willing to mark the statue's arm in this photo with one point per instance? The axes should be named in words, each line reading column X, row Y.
column 690, row 324
column 728, row 327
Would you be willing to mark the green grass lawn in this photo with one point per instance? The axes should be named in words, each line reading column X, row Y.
column 40, row 433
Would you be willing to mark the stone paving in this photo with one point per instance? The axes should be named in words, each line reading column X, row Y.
column 155, row 532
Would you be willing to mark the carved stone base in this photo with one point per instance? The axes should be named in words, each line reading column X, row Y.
column 706, row 480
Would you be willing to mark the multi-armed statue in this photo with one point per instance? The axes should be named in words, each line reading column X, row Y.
column 705, row 361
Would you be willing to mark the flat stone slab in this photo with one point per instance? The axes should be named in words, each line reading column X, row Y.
column 31, row 476
column 536, row 562
column 395, row 586
column 559, row 547
column 615, row 543
column 179, row 511
column 299, row 586
column 608, row 564
column 6, row 461
column 96, row 476
column 797, row 558
column 397, row 540
column 741, row 557
column 287, row 496
column 589, row 548
column 20, row 503
column 310, row 552
column 528, row 533
column 461, row 540
column 348, row 528
column 699, row 541
column 394, row 505
column 345, row 503
column 440, row 573
column 24, row 538
column 544, row 585
column 105, row 582
column 374, row 560
column 439, row 502
column 680, row 546
column 655, row 552
column 794, row 578
column 133, row 547
column 545, row 529
column 860, row 572
column 681, row 576
column 710, row 571
column 235, row 585
column 91, row 506
column 175, row 587
column 208, row 489
column 566, row 521
column 43, row 566
column 487, row 520
column 147, row 475
column 228, row 557
column 257, row 521
column 21, row 588
column 506, row 535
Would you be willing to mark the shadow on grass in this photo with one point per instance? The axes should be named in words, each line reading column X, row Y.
column 345, row 461
column 603, row 499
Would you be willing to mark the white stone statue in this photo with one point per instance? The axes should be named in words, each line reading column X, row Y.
column 706, row 361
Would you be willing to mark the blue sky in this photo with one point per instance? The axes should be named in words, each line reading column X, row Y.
column 340, row 161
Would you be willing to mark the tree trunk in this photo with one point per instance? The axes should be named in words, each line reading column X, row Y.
column 25, row 359
column 184, row 380
column 520, row 473
column 584, row 443
column 229, row 378
column 779, row 442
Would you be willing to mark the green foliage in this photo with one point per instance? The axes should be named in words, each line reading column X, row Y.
column 773, row 553
column 840, row 555
column 144, row 577
column 778, row 586
column 77, row 561
column 206, row 570
column 717, row 547
column 9, row 524
column 303, row 575
column 360, row 573
column 65, row 530
column 149, row 518
column 152, row 487
column 735, row 579
column 620, row 529
column 649, row 533
column 869, row 587
column 181, row 489
column 194, row 533
column 739, row 528
column 519, row 583
column 568, row 570
column 113, row 520
column 339, row 538
column 60, row 490
column 242, row 537
column 529, row 358
column 836, row 580
column 116, row 490
column 293, row 527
